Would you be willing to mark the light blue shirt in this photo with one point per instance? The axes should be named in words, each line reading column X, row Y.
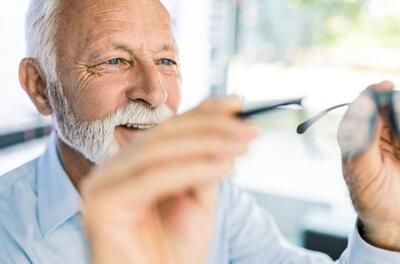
column 40, row 223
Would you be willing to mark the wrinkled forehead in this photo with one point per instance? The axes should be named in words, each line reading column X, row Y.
column 129, row 9
column 89, row 20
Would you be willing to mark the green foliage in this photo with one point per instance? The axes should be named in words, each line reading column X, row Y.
column 326, row 2
column 340, row 17
column 347, row 22
column 375, row 32
column 287, row 26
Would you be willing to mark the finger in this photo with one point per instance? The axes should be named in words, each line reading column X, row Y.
column 172, row 179
column 207, row 195
column 364, row 133
column 382, row 86
column 201, row 121
column 230, row 104
column 384, row 131
column 229, row 128
column 358, row 125
column 153, row 150
column 197, row 127
column 186, row 149
column 358, row 129
column 389, row 142
column 181, row 149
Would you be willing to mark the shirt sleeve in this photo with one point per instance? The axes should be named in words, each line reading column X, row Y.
column 359, row 251
column 255, row 239
column 4, row 253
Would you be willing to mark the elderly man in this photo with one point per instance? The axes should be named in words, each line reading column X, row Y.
column 105, row 191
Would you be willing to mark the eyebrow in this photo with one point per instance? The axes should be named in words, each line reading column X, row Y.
column 121, row 45
column 127, row 48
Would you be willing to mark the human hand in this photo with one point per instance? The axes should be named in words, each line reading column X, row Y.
column 155, row 201
column 371, row 167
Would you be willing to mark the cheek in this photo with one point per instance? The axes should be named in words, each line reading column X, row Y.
column 173, row 89
column 103, row 94
column 99, row 98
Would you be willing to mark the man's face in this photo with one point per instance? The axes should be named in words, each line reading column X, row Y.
column 115, row 52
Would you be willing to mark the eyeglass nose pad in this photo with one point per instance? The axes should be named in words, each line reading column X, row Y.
column 391, row 101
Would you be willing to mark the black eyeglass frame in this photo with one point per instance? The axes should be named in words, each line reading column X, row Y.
column 382, row 99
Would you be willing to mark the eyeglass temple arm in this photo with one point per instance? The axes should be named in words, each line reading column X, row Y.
column 269, row 107
column 302, row 128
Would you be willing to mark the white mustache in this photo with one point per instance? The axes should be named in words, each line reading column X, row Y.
column 139, row 113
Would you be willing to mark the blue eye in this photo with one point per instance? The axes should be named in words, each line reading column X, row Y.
column 167, row 62
column 113, row 61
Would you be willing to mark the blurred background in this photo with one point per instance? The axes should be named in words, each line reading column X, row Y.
column 325, row 50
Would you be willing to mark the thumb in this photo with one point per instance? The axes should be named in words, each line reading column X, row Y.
column 363, row 127
column 357, row 130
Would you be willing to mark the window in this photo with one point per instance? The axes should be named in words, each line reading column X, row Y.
column 328, row 51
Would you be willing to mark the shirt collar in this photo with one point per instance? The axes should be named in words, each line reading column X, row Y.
column 58, row 200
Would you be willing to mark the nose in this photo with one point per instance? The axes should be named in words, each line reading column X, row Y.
column 148, row 86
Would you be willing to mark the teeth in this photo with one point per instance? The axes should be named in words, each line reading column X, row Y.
column 140, row 126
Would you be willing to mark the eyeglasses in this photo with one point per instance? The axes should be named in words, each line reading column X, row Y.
column 303, row 127
column 382, row 99
column 272, row 106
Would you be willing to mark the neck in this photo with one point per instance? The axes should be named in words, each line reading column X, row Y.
column 75, row 164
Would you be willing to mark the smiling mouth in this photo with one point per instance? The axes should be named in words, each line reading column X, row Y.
column 138, row 126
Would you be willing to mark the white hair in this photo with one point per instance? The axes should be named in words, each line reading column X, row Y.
column 40, row 30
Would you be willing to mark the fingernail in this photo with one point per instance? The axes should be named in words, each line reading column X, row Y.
column 382, row 86
column 385, row 85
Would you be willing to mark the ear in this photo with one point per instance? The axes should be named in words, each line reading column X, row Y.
column 33, row 82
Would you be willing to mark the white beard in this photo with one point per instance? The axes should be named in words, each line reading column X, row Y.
column 95, row 139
